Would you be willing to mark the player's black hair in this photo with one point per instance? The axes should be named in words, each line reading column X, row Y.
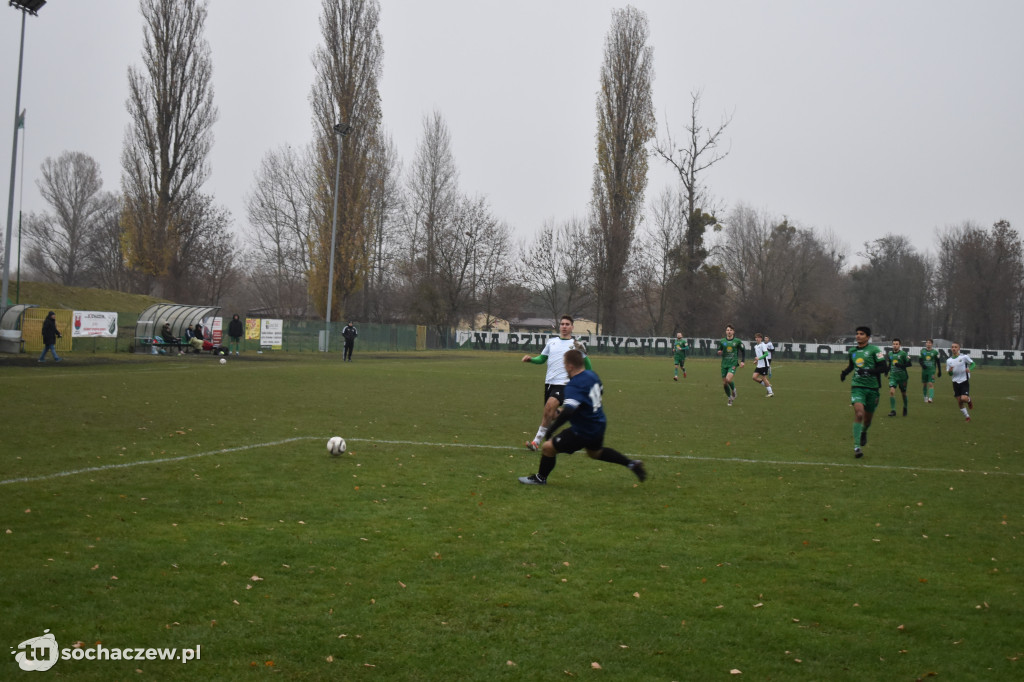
column 866, row 330
column 567, row 317
column 897, row 339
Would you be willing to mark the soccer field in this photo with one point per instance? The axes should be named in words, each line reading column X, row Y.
column 175, row 503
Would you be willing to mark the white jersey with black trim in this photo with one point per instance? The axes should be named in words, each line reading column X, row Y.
column 555, row 349
column 959, row 367
column 759, row 350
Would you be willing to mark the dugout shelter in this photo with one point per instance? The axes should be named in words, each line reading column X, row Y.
column 151, row 321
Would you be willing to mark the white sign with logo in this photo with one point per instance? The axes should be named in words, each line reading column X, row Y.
column 93, row 323
column 271, row 333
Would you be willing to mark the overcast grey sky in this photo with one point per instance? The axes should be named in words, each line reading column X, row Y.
column 863, row 117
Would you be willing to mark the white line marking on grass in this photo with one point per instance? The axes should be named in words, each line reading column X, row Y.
column 858, row 465
column 735, row 460
column 477, row 446
column 162, row 460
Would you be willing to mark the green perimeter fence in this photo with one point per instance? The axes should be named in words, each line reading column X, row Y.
column 300, row 336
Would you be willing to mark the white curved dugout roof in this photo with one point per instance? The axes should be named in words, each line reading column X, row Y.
column 152, row 319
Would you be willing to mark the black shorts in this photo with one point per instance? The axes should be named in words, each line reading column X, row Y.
column 763, row 371
column 556, row 391
column 570, row 441
column 962, row 388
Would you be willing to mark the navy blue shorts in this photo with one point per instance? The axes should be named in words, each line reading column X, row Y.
column 570, row 441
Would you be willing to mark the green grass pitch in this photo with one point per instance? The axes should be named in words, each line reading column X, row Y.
column 177, row 502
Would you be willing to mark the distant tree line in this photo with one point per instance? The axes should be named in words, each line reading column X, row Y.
column 411, row 246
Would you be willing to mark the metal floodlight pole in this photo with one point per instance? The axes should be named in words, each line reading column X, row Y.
column 341, row 129
column 26, row 8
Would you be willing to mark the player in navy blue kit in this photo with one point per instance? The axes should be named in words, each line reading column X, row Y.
column 582, row 409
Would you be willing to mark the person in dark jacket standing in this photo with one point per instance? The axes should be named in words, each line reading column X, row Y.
column 50, row 336
column 235, row 332
column 350, row 334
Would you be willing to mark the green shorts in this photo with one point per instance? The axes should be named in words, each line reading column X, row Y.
column 896, row 381
column 868, row 397
column 729, row 369
column 679, row 359
column 927, row 377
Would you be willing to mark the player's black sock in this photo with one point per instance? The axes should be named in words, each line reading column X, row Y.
column 728, row 391
column 613, row 456
column 547, row 464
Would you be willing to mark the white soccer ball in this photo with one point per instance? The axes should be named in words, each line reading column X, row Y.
column 336, row 445
column 223, row 361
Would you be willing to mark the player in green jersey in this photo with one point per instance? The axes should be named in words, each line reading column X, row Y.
column 733, row 356
column 930, row 368
column 679, row 348
column 899, row 362
column 867, row 362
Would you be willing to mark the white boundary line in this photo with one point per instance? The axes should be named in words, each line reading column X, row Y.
column 125, row 465
column 692, row 458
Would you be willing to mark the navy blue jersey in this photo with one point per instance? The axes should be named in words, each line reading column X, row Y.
column 584, row 393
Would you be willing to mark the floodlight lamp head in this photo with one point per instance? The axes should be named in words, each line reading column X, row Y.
column 343, row 128
column 30, row 6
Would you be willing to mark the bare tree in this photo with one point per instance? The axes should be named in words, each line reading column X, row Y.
column 433, row 201
column 697, row 152
column 538, row 268
column 383, row 247
column 556, row 266
column 892, row 291
column 207, row 251
column 433, row 187
column 348, row 67
column 58, row 242
column 492, row 270
column 980, row 275
column 279, row 208
column 784, row 280
column 456, row 251
column 169, row 137
column 625, row 124
column 658, row 262
column 107, row 268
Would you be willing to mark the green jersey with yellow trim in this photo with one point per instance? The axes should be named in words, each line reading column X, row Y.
column 866, row 358
column 899, row 361
column 929, row 360
column 732, row 350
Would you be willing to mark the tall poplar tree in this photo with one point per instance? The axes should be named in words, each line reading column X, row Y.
column 348, row 68
column 625, row 124
column 169, row 137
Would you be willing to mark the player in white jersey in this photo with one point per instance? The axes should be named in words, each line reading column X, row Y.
column 556, row 377
column 959, row 368
column 764, row 363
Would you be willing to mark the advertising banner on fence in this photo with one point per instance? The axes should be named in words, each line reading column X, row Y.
column 213, row 329
column 92, row 323
column 271, row 333
column 252, row 329
column 531, row 342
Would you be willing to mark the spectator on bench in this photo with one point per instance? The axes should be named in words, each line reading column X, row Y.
column 167, row 337
column 194, row 338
